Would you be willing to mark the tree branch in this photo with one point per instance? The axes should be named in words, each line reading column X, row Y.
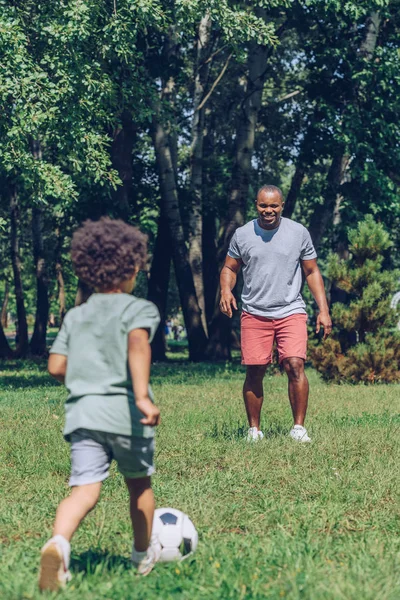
column 216, row 82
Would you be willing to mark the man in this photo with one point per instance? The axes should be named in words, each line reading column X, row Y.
column 272, row 251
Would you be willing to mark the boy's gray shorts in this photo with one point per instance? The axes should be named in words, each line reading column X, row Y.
column 93, row 451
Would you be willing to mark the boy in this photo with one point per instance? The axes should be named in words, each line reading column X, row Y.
column 101, row 352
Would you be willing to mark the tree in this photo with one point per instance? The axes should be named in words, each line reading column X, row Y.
column 365, row 345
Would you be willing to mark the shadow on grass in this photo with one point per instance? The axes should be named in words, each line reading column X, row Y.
column 92, row 562
column 26, row 381
column 190, row 373
column 228, row 431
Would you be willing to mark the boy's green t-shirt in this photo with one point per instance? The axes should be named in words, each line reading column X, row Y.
column 94, row 337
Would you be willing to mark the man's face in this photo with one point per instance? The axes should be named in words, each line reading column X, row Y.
column 269, row 207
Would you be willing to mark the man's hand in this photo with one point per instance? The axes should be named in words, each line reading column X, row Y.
column 150, row 411
column 227, row 301
column 324, row 320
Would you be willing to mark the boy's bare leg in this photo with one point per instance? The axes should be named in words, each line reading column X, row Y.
column 54, row 560
column 142, row 511
column 74, row 509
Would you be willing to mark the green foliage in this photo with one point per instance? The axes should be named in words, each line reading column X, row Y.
column 367, row 318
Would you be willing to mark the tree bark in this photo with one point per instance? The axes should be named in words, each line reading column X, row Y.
column 121, row 154
column 60, row 278
column 202, row 69
column 323, row 215
column 5, row 350
column 220, row 326
column 170, row 206
column 158, row 286
column 38, row 340
column 294, row 191
column 4, row 306
column 22, row 327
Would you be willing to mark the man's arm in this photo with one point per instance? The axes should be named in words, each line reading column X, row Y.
column 57, row 366
column 139, row 359
column 227, row 282
column 316, row 285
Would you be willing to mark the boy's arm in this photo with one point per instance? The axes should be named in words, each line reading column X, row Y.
column 57, row 366
column 139, row 359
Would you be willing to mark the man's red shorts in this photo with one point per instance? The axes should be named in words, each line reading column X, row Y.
column 258, row 335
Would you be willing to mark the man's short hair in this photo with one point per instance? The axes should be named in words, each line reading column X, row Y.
column 270, row 189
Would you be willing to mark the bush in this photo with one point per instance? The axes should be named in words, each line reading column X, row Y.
column 365, row 342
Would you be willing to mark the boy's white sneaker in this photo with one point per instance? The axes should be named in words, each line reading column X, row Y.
column 254, row 435
column 54, row 562
column 145, row 561
column 299, row 434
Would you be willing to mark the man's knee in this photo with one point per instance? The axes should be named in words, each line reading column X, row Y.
column 294, row 368
column 255, row 373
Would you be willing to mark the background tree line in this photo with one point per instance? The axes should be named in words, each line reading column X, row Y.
column 170, row 115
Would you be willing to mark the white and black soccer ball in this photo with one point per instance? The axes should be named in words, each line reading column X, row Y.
column 175, row 533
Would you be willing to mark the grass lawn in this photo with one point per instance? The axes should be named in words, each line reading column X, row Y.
column 275, row 520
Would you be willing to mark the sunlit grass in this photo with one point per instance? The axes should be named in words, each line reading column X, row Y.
column 276, row 519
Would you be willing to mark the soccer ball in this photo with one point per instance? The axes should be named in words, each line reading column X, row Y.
column 175, row 533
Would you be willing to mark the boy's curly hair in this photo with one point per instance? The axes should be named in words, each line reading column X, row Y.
column 107, row 251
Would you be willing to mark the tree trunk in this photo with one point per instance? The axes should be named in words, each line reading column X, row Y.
column 4, row 306
column 22, row 327
column 294, row 191
column 323, row 215
column 337, row 171
column 210, row 272
column 121, row 154
column 202, row 69
column 5, row 350
column 158, row 286
column 220, row 326
column 38, row 340
column 60, row 278
column 170, row 206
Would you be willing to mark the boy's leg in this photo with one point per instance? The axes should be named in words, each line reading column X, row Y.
column 55, row 554
column 145, row 553
column 74, row 509
column 90, row 461
column 142, row 507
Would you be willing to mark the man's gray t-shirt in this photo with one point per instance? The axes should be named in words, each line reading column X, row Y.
column 94, row 338
column 271, row 267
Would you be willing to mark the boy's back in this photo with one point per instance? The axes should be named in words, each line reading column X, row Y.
column 94, row 338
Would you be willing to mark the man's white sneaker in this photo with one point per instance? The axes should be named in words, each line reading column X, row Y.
column 145, row 561
column 54, row 561
column 254, row 435
column 299, row 433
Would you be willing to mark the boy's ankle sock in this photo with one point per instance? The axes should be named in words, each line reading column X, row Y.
column 65, row 547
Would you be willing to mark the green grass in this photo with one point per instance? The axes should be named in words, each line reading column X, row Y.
column 275, row 520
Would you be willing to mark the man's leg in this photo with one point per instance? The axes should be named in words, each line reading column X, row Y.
column 298, row 388
column 253, row 393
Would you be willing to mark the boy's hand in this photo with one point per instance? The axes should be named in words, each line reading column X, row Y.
column 150, row 411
